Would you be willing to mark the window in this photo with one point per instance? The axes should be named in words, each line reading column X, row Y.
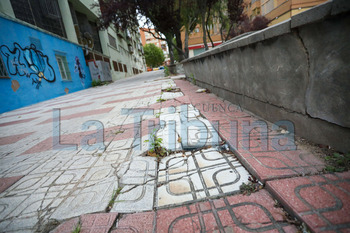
column 63, row 66
column 125, row 69
column 115, row 66
column 3, row 72
column 120, row 67
column 112, row 41
column 44, row 14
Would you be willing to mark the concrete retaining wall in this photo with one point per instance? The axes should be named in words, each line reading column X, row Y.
column 298, row 70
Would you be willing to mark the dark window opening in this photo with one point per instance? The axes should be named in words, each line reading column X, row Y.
column 125, row 69
column 44, row 14
column 115, row 66
column 120, row 67
column 86, row 31
column 112, row 41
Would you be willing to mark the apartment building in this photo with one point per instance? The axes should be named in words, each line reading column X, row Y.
column 278, row 10
column 148, row 38
column 195, row 40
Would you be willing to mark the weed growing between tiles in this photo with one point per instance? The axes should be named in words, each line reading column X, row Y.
column 301, row 226
column 115, row 194
column 156, row 149
column 171, row 89
column 77, row 228
column 253, row 185
column 338, row 162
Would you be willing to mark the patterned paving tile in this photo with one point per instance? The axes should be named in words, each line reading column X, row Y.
column 322, row 201
column 17, row 122
column 185, row 177
column 81, row 114
column 138, row 179
column 89, row 223
column 254, row 213
column 128, row 99
column 136, row 223
column 265, row 152
column 6, row 182
column 13, row 138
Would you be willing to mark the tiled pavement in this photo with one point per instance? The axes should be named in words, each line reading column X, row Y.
column 45, row 182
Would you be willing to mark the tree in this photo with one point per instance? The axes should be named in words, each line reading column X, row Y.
column 154, row 55
column 163, row 16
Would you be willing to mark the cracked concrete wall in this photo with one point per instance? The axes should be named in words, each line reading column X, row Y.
column 297, row 70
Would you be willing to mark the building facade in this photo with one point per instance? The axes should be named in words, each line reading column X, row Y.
column 148, row 38
column 49, row 47
column 195, row 40
column 278, row 10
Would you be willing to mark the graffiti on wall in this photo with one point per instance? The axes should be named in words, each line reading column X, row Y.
column 28, row 62
column 78, row 68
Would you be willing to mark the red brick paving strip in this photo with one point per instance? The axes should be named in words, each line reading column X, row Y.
column 6, row 182
column 264, row 163
column 90, row 223
column 19, row 114
column 17, row 122
column 131, row 98
column 80, row 114
column 109, row 135
column 233, row 214
column 72, row 106
column 254, row 213
column 113, row 95
column 322, row 201
column 139, row 222
column 13, row 138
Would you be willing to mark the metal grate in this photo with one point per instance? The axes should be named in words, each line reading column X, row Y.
column 112, row 41
column 44, row 14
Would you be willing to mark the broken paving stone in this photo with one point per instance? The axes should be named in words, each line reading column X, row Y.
column 207, row 173
column 201, row 90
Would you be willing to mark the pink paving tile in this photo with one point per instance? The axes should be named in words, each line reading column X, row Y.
column 13, row 138
column 238, row 213
column 89, row 223
column 17, row 122
column 131, row 98
column 6, row 182
column 280, row 164
column 19, row 114
column 136, row 223
column 100, row 222
column 109, row 135
column 80, row 114
column 137, row 88
column 322, row 201
column 72, row 106
column 153, row 91
column 58, row 102
column 67, row 226
column 265, row 159
column 112, row 95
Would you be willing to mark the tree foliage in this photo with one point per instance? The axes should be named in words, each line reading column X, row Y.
column 169, row 17
column 154, row 55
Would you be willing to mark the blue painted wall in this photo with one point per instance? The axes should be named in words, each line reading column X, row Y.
column 29, row 65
